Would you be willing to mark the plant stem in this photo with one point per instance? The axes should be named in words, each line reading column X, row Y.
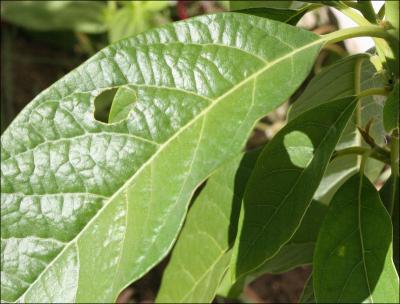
column 394, row 157
column 373, row 91
column 382, row 46
column 361, row 151
column 392, row 16
column 357, row 89
column 367, row 30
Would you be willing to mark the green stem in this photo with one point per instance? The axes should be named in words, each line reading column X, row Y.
column 382, row 46
column 357, row 89
column 394, row 157
column 394, row 152
column 373, row 91
column 392, row 16
column 361, row 151
column 367, row 30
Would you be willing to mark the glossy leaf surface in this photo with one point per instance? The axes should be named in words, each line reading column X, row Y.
column 82, row 199
column 353, row 256
column 202, row 252
column 279, row 192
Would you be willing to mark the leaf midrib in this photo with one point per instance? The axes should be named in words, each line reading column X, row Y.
column 203, row 112
column 284, row 201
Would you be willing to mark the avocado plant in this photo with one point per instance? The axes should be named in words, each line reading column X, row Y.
column 99, row 170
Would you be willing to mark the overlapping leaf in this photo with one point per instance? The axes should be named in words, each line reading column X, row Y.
column 82, row 199
column 338, row 80
column 283, row 183
column 297, row 252
column 285, row 11
column 353, row 256
column 202, row 252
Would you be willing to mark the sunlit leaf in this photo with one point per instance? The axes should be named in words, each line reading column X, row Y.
column 84, row 199
column 202, row 253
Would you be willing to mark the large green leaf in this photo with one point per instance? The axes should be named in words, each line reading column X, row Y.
column 338, row 80
column 81, row 16
column 353, row 256
column 88, row 207
column 283, row 183
column 202, row 252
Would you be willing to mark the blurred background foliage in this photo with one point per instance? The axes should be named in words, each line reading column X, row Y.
column 41, row 41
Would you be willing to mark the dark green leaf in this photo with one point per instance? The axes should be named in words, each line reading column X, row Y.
column 297, row 252
column 275, row 10
column 338, row 80
column 353, row 256
column 83, row 199
column 279, row 191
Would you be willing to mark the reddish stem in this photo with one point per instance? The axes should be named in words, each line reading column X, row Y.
column 182, row 11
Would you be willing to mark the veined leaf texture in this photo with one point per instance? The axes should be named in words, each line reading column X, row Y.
column 353, row 259
column 82, row 199
column 283, row 182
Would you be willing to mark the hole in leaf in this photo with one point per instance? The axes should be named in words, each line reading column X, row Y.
column 114, row 105
column 299, row 147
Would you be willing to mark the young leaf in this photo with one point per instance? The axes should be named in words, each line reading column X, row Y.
column 353, row 256
column 80, row 16
column 279, row 191
column 202, row 252
column 82, row 199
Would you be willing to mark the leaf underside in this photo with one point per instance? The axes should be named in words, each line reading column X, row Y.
column 82, row 199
